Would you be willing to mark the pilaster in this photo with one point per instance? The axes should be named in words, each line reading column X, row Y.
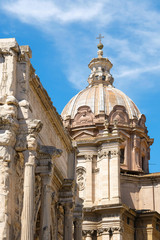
column 88, row 197
column 115, row 175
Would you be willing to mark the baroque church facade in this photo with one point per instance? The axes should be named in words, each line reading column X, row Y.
column 121, row 198
column 84, row 178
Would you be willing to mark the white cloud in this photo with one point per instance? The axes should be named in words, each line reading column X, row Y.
column 137, row 71
column 43, row 11
column 131, row 29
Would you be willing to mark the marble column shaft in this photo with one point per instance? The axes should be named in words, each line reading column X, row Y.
column 27, row 218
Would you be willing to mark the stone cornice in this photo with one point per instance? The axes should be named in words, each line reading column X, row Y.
column 50, row 110
column 149, row 179
column 147, row 213
column 99, row 140
column 103, row 208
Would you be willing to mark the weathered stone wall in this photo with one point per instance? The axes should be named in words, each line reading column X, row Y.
column 49, row 134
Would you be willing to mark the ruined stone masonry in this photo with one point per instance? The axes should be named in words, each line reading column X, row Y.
column 38, row 192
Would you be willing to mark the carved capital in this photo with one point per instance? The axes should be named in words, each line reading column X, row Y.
column 103, row 153
column 88, row 157
column 109, row 230
column 27, row 138
column 88, row 233
column 114, row 152
column 29, row 157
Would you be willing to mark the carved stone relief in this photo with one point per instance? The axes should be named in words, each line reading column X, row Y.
column 8, row 128
column 81, row 178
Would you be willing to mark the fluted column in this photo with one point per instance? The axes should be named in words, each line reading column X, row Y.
column 28, row 200
column 29, row 144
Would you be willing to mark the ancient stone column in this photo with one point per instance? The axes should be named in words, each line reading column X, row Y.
column 32, row 128
column 78, row 218
column 68, row 218
column 27, row 218
column 46, row 208
column 78, row 229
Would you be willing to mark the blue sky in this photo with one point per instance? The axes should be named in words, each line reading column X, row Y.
column 62, row 36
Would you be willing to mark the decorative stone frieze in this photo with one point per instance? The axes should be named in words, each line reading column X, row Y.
column 105, row 153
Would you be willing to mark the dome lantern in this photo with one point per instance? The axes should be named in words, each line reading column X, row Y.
column 100, row 68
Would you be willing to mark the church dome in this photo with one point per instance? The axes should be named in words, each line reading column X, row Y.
column 101, row 99
column 100, row 96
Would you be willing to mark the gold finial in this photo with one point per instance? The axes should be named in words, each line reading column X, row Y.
column 100, row 45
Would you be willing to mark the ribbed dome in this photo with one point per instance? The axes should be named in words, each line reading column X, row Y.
column 100, row 98
column 100, row 95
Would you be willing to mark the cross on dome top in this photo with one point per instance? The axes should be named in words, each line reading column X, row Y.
column 100, row 37
column 100, row 45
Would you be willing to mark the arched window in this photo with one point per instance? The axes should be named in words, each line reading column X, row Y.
column 122, row 155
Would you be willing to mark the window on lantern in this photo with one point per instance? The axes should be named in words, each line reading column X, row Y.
column 122, row 155
column 143, row 163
